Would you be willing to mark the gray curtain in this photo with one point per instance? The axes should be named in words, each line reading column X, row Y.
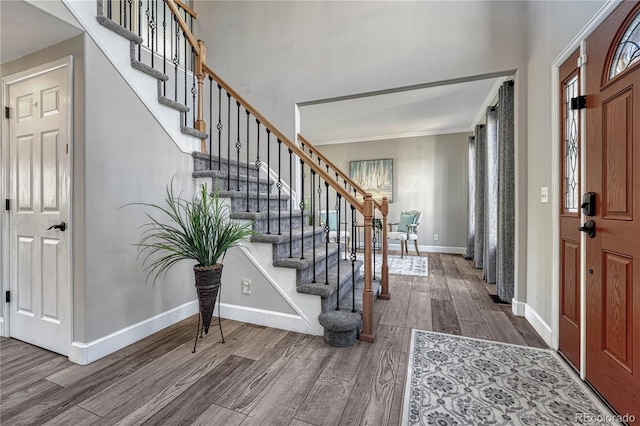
column 506, row 194
column 471, row 222
column 491, row 196
column 478, row 242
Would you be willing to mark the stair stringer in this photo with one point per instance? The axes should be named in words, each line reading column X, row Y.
column 116, row 48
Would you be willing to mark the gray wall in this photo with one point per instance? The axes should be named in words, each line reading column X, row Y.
column 430, row 173
column 552, row 26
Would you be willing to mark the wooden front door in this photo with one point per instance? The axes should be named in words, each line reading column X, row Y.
column 613, row 174
column 569, row 342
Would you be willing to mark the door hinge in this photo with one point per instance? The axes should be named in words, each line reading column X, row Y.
column 7, row 204
column 7, row 296
column 579, row 102
column 6, row 112
column 582, row 60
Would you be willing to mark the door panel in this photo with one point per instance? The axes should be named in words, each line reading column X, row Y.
column 613, row 256
column 39, row 268
column 569, row 332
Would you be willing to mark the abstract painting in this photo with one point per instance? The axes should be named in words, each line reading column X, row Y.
column 374, row 176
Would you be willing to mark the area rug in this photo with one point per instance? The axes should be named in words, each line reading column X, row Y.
column 453, row 380
column 408, row 265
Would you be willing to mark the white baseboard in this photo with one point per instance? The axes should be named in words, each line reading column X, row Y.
column 85, row 353
column 266, row 318
column 538, row 324
column 518, row 308
column 432, row 249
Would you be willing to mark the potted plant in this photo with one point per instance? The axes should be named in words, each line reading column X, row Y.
column 198, row 229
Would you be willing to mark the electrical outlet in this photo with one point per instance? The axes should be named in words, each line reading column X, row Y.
column 246, row 286
column 436, row 237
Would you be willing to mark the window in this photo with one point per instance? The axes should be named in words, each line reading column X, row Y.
column 570, row 150
column 628, row 50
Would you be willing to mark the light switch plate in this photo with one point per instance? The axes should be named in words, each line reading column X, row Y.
column 544, row 194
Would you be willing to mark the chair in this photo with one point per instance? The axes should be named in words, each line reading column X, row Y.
column 333, row 228
column 407, row 230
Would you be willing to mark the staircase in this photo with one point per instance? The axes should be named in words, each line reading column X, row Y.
column 256, row 190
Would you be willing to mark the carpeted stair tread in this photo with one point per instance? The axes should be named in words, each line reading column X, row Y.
column 253, row 196
column 272, row 214
column 159, row 75
column 233, row 177
column 296, row 234
column 321, row 289
column 296, row 263
column 193, row 132
column 199, row 156
column 163, row 100
column 117, row 28
column 342, row 320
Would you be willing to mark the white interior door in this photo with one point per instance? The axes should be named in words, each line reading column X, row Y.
column 39, row 187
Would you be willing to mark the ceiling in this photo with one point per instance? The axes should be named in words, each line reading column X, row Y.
column 26, row 29
column 446, row 107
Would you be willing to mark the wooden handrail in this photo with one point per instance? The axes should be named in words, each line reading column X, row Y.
column 354, row 185
column 185, row 28
column 186, row 8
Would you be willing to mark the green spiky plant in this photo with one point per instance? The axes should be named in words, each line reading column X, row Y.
column 198, row 229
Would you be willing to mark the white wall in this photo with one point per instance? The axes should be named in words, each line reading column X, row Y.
column 430, row 173
column 552, row 26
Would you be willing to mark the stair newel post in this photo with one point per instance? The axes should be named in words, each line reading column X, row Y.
column 384, row 279
column 367, row 334
column 201, row 58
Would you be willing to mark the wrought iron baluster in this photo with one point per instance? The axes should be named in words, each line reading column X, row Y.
column 154, row 33
column 194, row 90
column 247, row 163
column 164, row 47
column 109, row 9
column 313, row 222
column 354, row 225
column 139, row 28
column 130, row 15
column 238, row 146
column 258, row 163
column 279, row 186
column 184, row 37
column 268, row 181
column 147, row 13
column 219, row 126
column 302, row 208
column 228, row 142
column 338, row 199
column 210, row 122
column 326, row 234
column 176, row 57
column 290, row 204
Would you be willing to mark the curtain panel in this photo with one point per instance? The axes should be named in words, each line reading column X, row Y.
column 471, row 223
column 478, row 213
column 506, row 194
column 491, row 196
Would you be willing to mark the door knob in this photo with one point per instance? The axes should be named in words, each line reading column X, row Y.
column 589, row 228
column 61, row 226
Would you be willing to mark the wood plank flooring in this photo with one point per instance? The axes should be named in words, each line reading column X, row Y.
column 260, row 376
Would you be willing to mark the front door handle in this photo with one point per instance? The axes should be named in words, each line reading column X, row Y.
column 589, row 228
column 61, row 226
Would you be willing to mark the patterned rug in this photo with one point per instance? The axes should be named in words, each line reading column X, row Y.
column 453, row 380
column 408, row 265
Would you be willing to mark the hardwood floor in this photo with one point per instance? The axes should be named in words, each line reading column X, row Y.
column 260, row 375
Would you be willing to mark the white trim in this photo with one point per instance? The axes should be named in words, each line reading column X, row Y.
column 518, row 308
column 543, row 329
column 433, row 132
column 266, row 318
column 491, row 96
column 5, row 191
column 432, row 249
column 85, row 353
